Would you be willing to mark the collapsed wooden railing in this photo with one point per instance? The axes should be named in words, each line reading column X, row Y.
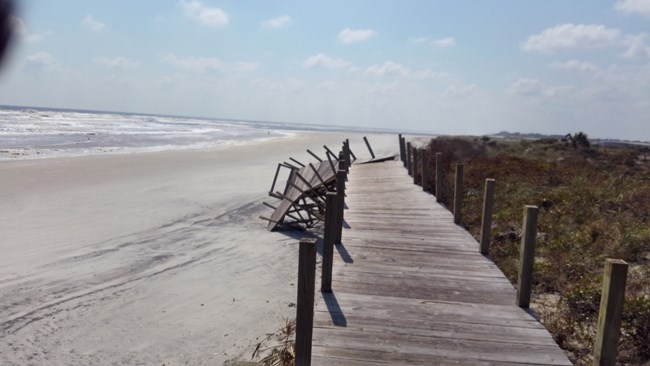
column 302, row 202
column 615, row 276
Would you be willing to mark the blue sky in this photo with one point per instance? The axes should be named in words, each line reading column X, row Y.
column 458, row 67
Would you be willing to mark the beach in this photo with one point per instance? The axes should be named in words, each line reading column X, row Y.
column 149, row 258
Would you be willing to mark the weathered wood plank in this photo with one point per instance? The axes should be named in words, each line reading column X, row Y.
column 409, row 287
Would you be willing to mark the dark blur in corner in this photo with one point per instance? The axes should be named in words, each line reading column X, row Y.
column 6, row 27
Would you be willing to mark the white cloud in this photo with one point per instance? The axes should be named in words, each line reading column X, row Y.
column 194, row 64
column 388, row 68
column 524, row 86
column 575, row 65
column 427, row 73
column 41, row 61
column 246, row 66
column 419, row 40
column 116, row 62
column 444, row 42
column 278, row 22
column 324, row 61
column 205, row 15
column 93, row 24
column 641, row 7
column 21, row 30
column 348, row 36
column 637, row 46
column 570, row 36
column 459, row 90
column 535, row 88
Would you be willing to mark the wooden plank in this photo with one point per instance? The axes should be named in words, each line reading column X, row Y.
column 409, row 287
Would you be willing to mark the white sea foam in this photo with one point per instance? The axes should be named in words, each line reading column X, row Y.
column 29, row 133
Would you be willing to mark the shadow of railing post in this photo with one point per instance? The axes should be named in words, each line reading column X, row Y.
column 333, row 307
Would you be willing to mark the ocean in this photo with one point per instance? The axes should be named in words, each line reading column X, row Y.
column 32, row 133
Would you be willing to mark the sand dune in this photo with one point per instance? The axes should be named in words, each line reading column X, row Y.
column 151, row 258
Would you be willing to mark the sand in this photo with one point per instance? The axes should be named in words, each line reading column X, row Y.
column 148, row 258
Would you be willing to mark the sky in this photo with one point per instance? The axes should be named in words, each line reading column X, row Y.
column 452, row 67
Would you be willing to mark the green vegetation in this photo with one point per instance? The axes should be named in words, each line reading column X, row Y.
column 594, row 204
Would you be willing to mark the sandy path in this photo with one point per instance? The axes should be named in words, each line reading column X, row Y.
column 146, row 259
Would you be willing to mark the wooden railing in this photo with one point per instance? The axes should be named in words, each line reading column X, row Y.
column 609, row 320
column 613, row 290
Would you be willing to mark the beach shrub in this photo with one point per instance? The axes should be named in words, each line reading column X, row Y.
column 594, row 204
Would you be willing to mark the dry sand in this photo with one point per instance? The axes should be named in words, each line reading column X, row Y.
column 147, row 259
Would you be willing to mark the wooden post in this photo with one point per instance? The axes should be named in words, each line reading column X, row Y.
column 486, row 222
column 372, row 154
column 328, row 241
column 439, row 177
column 425, row 169
column 414, row 154
column 346, row 150
column 305, row 302
column 458, row 193
column 609, row 316
column 527, row 256
column 409, row 161
column 340, row 204
column 401, row 149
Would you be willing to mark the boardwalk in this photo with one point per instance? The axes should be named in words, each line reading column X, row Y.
column 409, row 287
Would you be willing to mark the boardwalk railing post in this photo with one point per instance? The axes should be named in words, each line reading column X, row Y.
column 609, row 316
column 346, row 150
column 404, row 149
column 415, row 164
column 409, row 160
column 328, row 241
column 340, row 204
column 305, row 301
column 425, row 169
column 401, row 149
column 527, row 256
column 439, row 177
column 458, row 193
column 486, row 221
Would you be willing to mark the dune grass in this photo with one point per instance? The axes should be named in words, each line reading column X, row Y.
column 594, row 204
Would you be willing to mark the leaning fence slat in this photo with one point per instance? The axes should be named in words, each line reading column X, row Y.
column 372, row 154
column 315, row 156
